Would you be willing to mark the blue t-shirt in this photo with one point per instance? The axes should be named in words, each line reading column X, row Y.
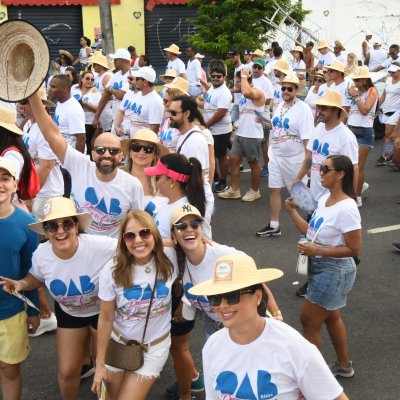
column 17, row 243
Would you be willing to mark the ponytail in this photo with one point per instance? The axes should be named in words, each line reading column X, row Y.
column 195, row 188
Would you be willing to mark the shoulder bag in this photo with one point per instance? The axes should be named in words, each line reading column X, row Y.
column 302, row 260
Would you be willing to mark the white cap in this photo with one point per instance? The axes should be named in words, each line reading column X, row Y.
column 198, row 55
column 146, row 73
column 9, row 166
column 393, row 68
column 377, row 43
column 123, row 54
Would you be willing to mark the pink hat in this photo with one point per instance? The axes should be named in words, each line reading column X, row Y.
column 161, row 169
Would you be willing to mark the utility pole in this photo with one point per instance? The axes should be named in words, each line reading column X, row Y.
column 107, row 32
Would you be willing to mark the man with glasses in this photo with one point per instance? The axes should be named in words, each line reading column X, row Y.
column 193, row 72
column 217, row 101
column 393, row 56
column 292, row 124
column 99, row 186
column 337, row 50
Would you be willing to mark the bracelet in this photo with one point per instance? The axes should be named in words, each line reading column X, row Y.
column 276, row 313
column 25, row 284
column 244, row 76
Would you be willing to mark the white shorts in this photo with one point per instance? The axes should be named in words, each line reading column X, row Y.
column 391, row 120
column 154, row 359
column 283, row 170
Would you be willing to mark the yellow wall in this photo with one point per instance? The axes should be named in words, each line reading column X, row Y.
column 3, row 13
column 128, row 23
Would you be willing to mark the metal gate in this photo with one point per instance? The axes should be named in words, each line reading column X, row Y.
column 61, row 25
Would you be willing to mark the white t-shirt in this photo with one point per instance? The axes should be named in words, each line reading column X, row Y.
column 168, row 135
column 248, row 126
column 323, row 88
column 290, row 126
column 70, row 119
column 279, row 365
column 299, row 65
column 39, row 149
column 311, row 96
column 118, row 81
column 127, row 104
column 265, row 85
column 355, row 116
column 237, row 96
column 215, row 98
column 195, row 274
column 277, row 96
column 392, row 98
column 132, row 304
column 83, row 56
column 326, row 59
column 107, row 202
column 163, row 217
column 145, row 110
column 342, row 58
column 389, row 61
column 94, row 99
column 334, row 222
column 152, row 204
column 323, row 143
column 178, row 65
column 193, row 72
column 74, row 283
column 376, row 58
column 342, row 88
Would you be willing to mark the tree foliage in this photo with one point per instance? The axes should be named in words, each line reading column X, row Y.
column 225, row 24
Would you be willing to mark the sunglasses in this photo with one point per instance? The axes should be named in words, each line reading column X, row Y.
column 182, row 226
column 323, row 108
column 52, row 226
column 216, row 76
column 256, row 66
column 24, row 102
column 144, row 233
column 230, row 298
column 320, row 80
column 165, row 101
column 324, row 169
column 100, row 150
column 287, row 89
column 148, row 149
column 130, row 79
column 89, row 79
column 174, row 113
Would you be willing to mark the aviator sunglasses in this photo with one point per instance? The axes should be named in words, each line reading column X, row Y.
column 100, row 150
column 230, row 298
column 182, row 226
column 52, row 226
column 324, row 169
column 287, row 89
column 136, row 147
column 144, row 233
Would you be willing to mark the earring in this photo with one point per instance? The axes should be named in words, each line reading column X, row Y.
column 175, row 242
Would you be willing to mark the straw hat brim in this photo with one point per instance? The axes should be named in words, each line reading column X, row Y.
column 334, row 69
column 25, row 60
column 126, row 144
column 12, row 128
column 324, row 102
column 67, row 54
column 84, row 221
column 211, row 287
column 173, row 86
column 93, row 60
column 173, row 51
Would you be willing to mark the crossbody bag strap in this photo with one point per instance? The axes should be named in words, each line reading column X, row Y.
column 184, row 140
column 149, row 309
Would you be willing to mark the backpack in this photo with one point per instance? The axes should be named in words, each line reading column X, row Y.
column 27, row 190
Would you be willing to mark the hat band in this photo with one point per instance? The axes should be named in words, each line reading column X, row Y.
column 160, row 167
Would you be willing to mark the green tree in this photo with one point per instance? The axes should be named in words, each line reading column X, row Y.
column 225, row 24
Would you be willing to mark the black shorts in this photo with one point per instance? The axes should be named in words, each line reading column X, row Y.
column 221, row 144
column 65, row 320
column 179, row 328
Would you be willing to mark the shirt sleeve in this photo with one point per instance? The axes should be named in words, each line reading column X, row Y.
column 76, row 121
column 350, row 149
column 124, row 103
column 208, row 377
column 224, row 99
column 75, row 162
column 307, row 123
column 349, row 219
column 198, row 70
column 44, row 150
column 106, row 283
column 156, row 112
column 181, row 66
column 269, row 90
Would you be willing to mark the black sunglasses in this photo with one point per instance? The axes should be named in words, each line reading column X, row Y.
column 52, row 226
column 287, row 89
column 320, row 80
column 144, row 233
column 100, row 150
column 230, row 298
column 256, row 66
column 174, row 113
column 216, row 76
column 182, row 226
column 148, row 149
column 324, row 169
column 89, row 79
column 24, row 102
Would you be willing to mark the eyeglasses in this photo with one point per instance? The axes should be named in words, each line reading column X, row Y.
column 320, row 80
column 230, row 298
column 100, row 150
column 144, row 233
column 174, row 113
column 287, row 89
column 148, row 149
column 216, row 76
column 138, row 78
column 182, row 226
column 256, row 66
column 323, row 108
column 52, row 226
column 324, row 169
column 89, row 79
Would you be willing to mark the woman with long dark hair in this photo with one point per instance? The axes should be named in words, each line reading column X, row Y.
column 298, row 64
column 333, row 238
column 84, row 53
column 66, row 59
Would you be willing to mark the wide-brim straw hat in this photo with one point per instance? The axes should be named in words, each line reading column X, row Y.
column 198, row 55
column 99, row 59
column 297, row 48
column 24, row 61
column 146, row 135
column 258, row 53
column 331, row 99
column 339, row 44
column 234, row 272
column 360, row 73
column 8, row 120
column 322, row 44
column 169, row 73
column 173, row 48
column 282, row 66
column 336, row 66
column 66, row 54
column 61, row 207
column 42, row 95
column 291, row 78
column 184, row 210
column 180, row 84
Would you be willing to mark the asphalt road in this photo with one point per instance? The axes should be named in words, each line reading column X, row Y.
column 372, row 314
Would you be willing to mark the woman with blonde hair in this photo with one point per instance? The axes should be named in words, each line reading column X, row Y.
column 352, row 64
column 135, row 293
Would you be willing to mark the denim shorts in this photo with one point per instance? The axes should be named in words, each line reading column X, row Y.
column 365, row 136
column 330, row 280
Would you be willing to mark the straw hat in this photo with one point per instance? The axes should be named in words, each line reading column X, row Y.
column 234, row 272
column 360, row 73
column 180, row 84
column 198, row 55
column 169, row 73
column 339, row 44
column 148, row 136
column 61, row 207
column 8, row 120
column 258, row 53
column 99, row 59
column 291, row 78
column 336, row 66
column 332, row 99
column 66, row 54
column 173, row 48
column 297, row 48
column 319, row 74
column 182, row 211
column 42, row 95
column 282, row 65
column 322, row 44
column 24, row 61
column 9, row 166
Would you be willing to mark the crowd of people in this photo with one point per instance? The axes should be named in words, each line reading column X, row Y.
column 116, row 179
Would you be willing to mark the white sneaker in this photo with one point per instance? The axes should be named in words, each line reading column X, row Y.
column 230, row 194
column 251, row 195
column 46, row 325
column 365, row 187
column 359, row 202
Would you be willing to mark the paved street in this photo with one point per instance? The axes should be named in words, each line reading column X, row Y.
column 372, row 315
